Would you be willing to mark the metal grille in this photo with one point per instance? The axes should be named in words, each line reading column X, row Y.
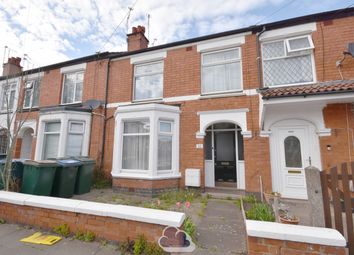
column 288, row 70
column 273, row 50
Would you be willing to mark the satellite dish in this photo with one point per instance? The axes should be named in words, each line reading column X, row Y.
column 92, row 104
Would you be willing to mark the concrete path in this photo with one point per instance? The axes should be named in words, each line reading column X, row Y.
column 222, row 230
column 10, row 244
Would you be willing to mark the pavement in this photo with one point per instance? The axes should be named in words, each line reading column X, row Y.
column 10, row 235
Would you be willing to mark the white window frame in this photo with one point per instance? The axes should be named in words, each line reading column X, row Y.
column 285, row 57
column 74, row 94
column 162, row 133
column 65, row 117
column 287, row 41
column 45, row 133
column 239, row 59
column 12, row 87
column 150, row 74
column 81, row 132
column 32, row 92
column 135, row 134
column 155, row 113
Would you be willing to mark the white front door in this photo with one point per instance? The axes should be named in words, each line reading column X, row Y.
column 293, row 149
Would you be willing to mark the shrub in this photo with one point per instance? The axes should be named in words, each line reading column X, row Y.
column 153, row 249
column 140, row 245
column 2, row 221
column 85, row 237
column 189, row 227
column 63, row 230
column 260, row 211
column 126, row 247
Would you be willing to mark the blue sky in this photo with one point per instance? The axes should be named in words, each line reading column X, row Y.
column 50, row 31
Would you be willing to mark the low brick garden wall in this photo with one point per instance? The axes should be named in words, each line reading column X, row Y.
column 107, row 221
column 266, row 238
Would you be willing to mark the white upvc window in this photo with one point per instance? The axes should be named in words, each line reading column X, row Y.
column 76, row 130
column 136, row 138
column 8, row 96
column 63, row 133
column 288, row 61
column 148, row 81
column 72, row 87
column 222, row 71
column 31, row 97
column 146, row 142
column 165, row 140
column 51, row 139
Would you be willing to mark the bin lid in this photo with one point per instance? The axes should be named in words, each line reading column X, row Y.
column 85, row 160
column 68, row 162
column 42, row 163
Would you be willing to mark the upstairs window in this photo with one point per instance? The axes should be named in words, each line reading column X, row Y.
column 31, row 94
column 148, row 81
column 72, row 87
column 8, row 97
column 221, row 71
column 288, row 61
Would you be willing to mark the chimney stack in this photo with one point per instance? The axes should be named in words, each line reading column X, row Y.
column 12, row 67
column 137, row 40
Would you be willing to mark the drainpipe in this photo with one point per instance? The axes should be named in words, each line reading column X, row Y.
column 105, row 114
column 260, row 81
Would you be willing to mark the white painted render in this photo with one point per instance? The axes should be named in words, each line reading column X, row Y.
column 148, row 57
column 289, row 31
column 73, row 68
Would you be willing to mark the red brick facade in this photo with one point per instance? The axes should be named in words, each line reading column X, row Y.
column 182, row 77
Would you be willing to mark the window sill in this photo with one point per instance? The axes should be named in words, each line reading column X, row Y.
column 148, row 101
column 144, row 176
column 227, row 94
column 30, row 109
column 72, row 104
column 291, row 84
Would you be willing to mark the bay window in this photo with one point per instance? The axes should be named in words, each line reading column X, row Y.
column 148, row 81
column 63, row 133
column 72, row 87
column 221, row 71
column 288, row 61
column 146, row 142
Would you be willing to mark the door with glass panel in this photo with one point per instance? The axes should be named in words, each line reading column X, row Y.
column 294, row 156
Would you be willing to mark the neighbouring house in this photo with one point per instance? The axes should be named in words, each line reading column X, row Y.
column 233, row 109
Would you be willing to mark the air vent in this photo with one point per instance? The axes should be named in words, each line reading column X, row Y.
column 351, row 49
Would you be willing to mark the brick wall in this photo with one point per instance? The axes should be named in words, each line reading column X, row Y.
column 265, row 246
column 340, row 119
column 104, row 227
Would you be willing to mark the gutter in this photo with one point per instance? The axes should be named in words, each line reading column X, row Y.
column 105, row 114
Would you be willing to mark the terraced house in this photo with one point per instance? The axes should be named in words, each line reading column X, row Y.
column 239, row 109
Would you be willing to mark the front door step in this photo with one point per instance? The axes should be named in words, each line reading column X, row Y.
column 225, row 193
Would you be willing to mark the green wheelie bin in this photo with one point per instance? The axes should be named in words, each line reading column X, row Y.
column 65, row 177
column 38, row 177
column 84, row 175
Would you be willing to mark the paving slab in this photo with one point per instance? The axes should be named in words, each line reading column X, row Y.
column 222, row 230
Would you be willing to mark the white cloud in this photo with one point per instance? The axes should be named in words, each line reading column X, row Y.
column 51, row 31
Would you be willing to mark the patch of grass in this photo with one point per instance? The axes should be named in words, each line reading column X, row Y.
column 204, row 203
column 100, row 181
column 172, row 197
column 140, row 245
column 189, row 227
column 250, row 199
column 260, row 211
column 2, row 221
column 63, row 230
column 85, row 236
